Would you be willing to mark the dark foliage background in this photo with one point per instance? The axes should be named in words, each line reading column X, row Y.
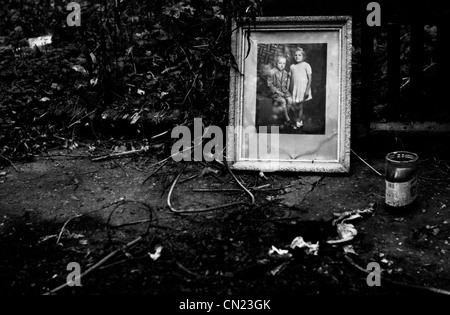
column 145, row 65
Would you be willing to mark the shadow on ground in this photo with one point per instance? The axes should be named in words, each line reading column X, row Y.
column 66, row 208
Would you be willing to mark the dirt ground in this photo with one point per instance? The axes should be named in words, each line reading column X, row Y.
column 67, row 208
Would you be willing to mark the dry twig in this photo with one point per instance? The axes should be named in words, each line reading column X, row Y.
column 121, row 167
column 79, row 120
column 410, row 286
column 152, row 214
column 240, row 184
column 119, row 154
column 11, row 163
column 101, row 262
column 159, row 167
column 187, row 270
column 169, row 204
column 143, row 221
column 378, row 173
column 62, row 229
column 159, row 135
column 216, row 190
column 189, row 178
column 51, row 156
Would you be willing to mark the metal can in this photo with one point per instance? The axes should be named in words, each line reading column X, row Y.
column 401, row 179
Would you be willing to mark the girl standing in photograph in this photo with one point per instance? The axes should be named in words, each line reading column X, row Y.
column 300, row 85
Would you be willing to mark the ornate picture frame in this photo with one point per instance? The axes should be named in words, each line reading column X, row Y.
column 290, row 95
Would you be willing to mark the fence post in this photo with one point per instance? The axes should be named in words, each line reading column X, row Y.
column 416, row 70
column 393, row 68
column 443, row 35
column 367, row 55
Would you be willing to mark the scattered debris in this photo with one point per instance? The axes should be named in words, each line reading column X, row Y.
column 348, row 249
column 435, row 231
column 63, row 227
column 40, row 41
column 120, row 154
column 135, row 118
column 298, row 242
column 279, row 268
column 157, row 253
column 98, row 264
column 94, row 81
column 80, row 69
column 154, row 172
column 169, row 204
column 279, row 253
column 188, row 271
column 346, row 233
column 417, row 287
column 351, row 215
column 46, row 238
column 9, row 161
column 426, row 230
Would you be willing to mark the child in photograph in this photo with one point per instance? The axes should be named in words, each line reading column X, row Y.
column 300, row 84
column 278, row 83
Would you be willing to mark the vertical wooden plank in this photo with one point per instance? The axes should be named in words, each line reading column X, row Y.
column 443, row 36
column 367, row 76
column 393, row 67
column 416, row 62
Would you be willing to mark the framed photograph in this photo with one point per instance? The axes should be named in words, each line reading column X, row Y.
column 290, row 95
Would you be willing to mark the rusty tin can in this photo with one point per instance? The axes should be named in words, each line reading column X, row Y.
column 401, row 179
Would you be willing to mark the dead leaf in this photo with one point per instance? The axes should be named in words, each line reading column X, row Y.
column 346, row 233
column 348, row 249
column 94, row 81
column 281, row 253
column 93, row 58
column 157, row 253
column 80, row 69
column 298, row 242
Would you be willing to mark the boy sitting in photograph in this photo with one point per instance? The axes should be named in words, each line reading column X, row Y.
column 278, row 83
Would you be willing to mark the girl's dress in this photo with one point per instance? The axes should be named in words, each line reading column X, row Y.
column 299, row 81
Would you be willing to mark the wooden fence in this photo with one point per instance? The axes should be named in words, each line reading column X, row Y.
column 409, row 80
